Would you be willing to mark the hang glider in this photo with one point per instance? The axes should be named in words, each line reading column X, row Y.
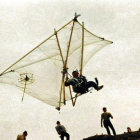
column 40, row 72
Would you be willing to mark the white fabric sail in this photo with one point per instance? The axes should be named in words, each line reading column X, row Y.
column 39, row 72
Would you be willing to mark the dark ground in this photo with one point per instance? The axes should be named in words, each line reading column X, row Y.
column 126, row 136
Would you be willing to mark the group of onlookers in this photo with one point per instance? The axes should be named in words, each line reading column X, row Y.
column 61, row 130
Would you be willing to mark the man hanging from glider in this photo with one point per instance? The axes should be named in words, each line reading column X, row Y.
column 80, row 84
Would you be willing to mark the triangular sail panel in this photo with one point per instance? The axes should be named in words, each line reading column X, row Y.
column 41, row 70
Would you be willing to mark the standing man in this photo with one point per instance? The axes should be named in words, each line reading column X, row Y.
column 22, row 136
column 105, row 118
column 61, row 130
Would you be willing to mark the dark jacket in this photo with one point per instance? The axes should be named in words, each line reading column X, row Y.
column 76, row 82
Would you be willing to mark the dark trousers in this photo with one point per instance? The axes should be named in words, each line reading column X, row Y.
column 83, row 88
column 108, row 124
column 64, row 134
column 91, row 84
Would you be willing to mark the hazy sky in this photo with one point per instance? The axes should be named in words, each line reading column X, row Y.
column 24, row 24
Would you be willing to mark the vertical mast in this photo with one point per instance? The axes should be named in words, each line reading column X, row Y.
column 65, row 65
column 82, row 57
column 82, row 50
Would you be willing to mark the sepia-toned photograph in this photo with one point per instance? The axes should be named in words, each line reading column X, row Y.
column 70, row 70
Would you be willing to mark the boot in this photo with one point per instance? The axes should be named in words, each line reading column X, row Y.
column 96, row 80
column 100, row 87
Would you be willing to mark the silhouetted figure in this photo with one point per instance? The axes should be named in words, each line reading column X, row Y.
column 61, row 130
column 80, row 84
column 22, row 136
column 129, row 130
column 105, row 118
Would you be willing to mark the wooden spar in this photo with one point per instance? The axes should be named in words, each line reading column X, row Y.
column 82, row 50
column 59, row 46
column 34, row 48
column 62, row 82
column 60, row 93
column 24, row 91
column 70, row 92
column 69, row 46
column 71, row 95
column 75, row 99
column 82, row 56
column 65, row 64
